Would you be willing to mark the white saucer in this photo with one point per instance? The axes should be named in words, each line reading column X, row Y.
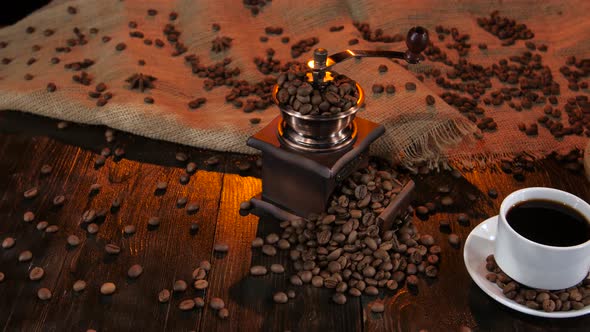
column 479, row 244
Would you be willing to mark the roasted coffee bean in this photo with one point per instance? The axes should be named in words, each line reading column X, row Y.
column 212, row 161
column 390, row 89
column 412, row 280
column 377, row 307
column 135, row 271
column 121, row 46
column 36, row 273
column 410, row 86
column 258, row 270
column 28, row 77
column 186, row 305
column 199, row 302
column 493, row 193
column 221, row 247
column 108, row 288
column 152, row 12
column 446, row 201
column 179, row 286
column 28, row 216
column 92, row 228
column 184, row 178
column 216, row 303
column 59, row 200
column 31, row 193
column 377, row 88
column 269, row 250
column 42, row 225
column 339, row 298
column 79, row 286
column 454, row 239
column 201, row 284
column 73, row 240
column 44, row 294
column 51, row 87
column 257, row 242
column 154, row 221
column 223, row 313
column 112, row 249
column 164, row 296
column 430, row 100
column 353, row 41
column 383, row 68
column 25, row 256
column 8, row 243
column 280, row 297
column 129, row 229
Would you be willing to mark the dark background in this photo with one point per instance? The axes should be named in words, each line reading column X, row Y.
column 19, row 9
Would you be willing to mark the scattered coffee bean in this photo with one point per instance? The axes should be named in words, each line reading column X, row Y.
column 446, row 201
column 44, row 294
column 201, row 284
column 192, row 208
column 186, row 305
column 258, row 270
column 121, row 46
column 377, row 307
column 112, row 249
column 108, row 288
column 223, row 313
column 212, row 161
column 31, row 193
column 25, row 256
column 28, row 216
column 280, row 297
column 73, row 240
column 199, row 302
column 42, row 225
column 164, row 296
column 36, row 273
column 8, row 243
column 216, row 303
column 221, row 247
column 206, row 265
column 79, row 285
column 430, row 100
column 92, row 228
column 377, row 88
column 134, row 271
column 129, row 229
column 277, row 268
column 2, row 277
column 179, row 286
column 269, row 250
column 493, row 193
column 154, row 221
column 454, row 239
column 257, row 242
column 52, row 229
column 339, row 298
column 410, row 86
column 463, row 219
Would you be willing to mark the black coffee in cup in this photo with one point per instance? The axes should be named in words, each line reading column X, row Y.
column 548, row 222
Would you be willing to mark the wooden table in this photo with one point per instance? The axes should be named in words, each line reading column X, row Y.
column 171, row 252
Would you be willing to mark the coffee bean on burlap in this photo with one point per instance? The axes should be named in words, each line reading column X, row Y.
column 192, row 208
column 390, row 89
column 129, row 229
column 112, row 249
column 410, row 86
column 154, row 221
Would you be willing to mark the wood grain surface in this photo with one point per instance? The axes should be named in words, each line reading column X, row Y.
column 171, row 252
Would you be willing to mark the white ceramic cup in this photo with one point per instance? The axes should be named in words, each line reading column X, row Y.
column 537, row 265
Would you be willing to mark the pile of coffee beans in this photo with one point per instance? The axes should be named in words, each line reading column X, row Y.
column 297, row 93
column 376, row 35
column 574, row 70
column 344, row 248
column 504, row 28
column 302, row 46
column 573, row 298
column 459, row 39
column 221, row 44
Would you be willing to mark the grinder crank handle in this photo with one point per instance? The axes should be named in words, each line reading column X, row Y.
column 416, row 40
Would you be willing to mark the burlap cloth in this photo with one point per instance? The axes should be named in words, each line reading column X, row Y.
column 415, row 132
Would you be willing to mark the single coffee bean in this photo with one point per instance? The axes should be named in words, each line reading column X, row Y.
column 377, row 88
column 154, row 221
column 269, row 250
column 36, row 273
column 493, row 193
column 31, row 193
column 258, row 270
column 412, row 280
column 120, row 46
column 112, row 249
column 390, row 89
column 129, row 229
column 52, row 229
column 92, row 228
column 59, row 200
column 199, row 274
column 422, row 210
column 221, row 247
column 134, row 271
column 192, row 208
column 223, row 313
column 42, row 225
column 8, row 243
column 201, row 284
column 28, row 216
column 295, row 280
column 25, row 256
column 280, row 297
column 179, row 286
column 73, row 240
column 339, row 298
column 410, row 86
column 463, row 219
column 184, row 178
column 164, row 296
column 205, row 265
column 79, row 285
column 446, row 201
column 162, row 185
column 257, row 242
column 277, row 268
column 187, row 305
column 216, row 303
column 199, row 302
column 377, row 307
column 108, row 288
column 430, row 100
column 371, row 291
column 44, row 294
column 454, row 239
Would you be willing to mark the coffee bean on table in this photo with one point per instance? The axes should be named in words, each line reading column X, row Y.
column 42, row 225
column 164, row 296
column 377, row 307
column 135, row 271
column 8, row 243
column 154, row 221
column 92, row 228
column 446, row 201
column 73, row 240
column 430, row 100
column 44, row 294
column 269, row 250
column 179, row 286
column 280, row 297
column 112, row 249
column 221, row 247
column 129, row 229
column 192, row 208
column 201, row 284
column 493, row 193
column 339, row 298
column 257, row 242
column 216, row 303
column 36, row 273
column 223, row 313
column 454, row 239
column 25, row 256
column 31, row 193
column 51, row 87
column 108, row 288
column 186, row 305
column 410, row 86
column 2, row 276
column 28, row 216
column 463, row 218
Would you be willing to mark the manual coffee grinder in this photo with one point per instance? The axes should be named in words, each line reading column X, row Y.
column 304, row 157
